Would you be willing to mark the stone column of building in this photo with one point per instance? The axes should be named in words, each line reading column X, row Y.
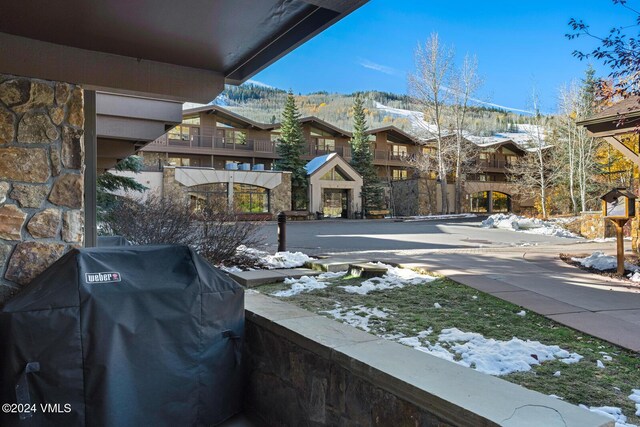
column 41, row 177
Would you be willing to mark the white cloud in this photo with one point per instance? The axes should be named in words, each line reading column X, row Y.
column 378, row 67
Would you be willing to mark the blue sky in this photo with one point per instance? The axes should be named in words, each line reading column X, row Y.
column 519, row 45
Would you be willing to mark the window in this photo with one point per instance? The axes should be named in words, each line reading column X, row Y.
column 334, row 175
column 250, row 198
column 399, row 174
column 195, row 121
column 429, row 151
column 484, row 156
column 400, row 150
column 201, row 196
column 179, row 132
column 179, row 161
column 324, row 144
column 231, row 136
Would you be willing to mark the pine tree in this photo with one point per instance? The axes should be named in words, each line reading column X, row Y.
column 290, row 147
column 108, row 183
column 362, row 159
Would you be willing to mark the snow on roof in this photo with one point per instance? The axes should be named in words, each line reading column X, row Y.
column 192, row 105
column 317, row 162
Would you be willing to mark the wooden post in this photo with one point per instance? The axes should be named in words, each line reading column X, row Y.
column 619, row 223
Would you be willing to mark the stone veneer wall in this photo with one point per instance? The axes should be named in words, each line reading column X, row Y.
column 41, row 177
column 594, row 226
column 290, row 385
column 281, row 195
column 405, row 197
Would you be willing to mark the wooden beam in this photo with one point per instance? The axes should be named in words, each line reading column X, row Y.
column 626, row 151
column 107, row 72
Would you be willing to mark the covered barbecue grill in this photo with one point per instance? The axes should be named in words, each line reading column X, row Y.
column 124, row 336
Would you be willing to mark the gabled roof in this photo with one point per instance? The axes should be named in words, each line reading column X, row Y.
column 318, row 123
column 394, row 134
column 225, row 114
column 315, row 164
column 507, row 144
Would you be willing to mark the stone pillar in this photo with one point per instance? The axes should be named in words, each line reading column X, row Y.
column 490, row 201
column 41, row 177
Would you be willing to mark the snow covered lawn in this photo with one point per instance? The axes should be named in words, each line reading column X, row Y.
column 459, row 324
column 528, row 225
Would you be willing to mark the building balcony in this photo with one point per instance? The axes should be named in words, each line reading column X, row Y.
column 214, row 145
column 312, row 151
column 498, row 165
column 391, row 158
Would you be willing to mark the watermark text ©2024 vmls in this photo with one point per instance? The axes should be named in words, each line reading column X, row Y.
column 32, row 408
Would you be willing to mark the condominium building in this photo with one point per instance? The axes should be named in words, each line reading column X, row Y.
column 215, row 137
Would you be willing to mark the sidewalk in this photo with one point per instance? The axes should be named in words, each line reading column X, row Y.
column 536, row 279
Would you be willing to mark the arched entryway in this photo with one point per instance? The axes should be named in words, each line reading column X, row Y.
column 490, row 202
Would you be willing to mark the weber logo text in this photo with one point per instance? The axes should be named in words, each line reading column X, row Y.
column 110, row 277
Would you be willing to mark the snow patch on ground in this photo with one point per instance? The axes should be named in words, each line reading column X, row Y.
column 635, row 396
column 521, row 313
column 611, row 412
column 357, row 316
column 599, row 261
column 278, row 260
column 438, row 217
column 527, row 225
column 394, row 278
column 307, row 283
column 497, row 357
column 490, row 356
column 230, row 269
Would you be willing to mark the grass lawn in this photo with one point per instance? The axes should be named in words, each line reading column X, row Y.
column 412, row 310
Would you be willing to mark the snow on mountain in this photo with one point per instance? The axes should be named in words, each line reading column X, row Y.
column 526, row 135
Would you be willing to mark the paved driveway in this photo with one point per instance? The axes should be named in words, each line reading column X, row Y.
column 518, row 267
column 365, row 235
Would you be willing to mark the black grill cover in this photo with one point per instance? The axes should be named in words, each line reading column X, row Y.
column 126, row 336
column 112, row 241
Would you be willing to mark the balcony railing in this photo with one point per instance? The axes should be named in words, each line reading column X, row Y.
column 344, row 152
column 493, row 163
column 208, row 142
column 390, row 155
column 266, row 146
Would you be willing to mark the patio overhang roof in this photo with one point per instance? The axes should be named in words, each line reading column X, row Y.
column 161, row 49
column 612, row 123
